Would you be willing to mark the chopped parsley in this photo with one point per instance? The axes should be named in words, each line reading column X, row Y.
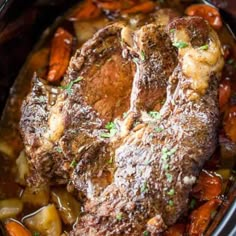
column 111, row 127
column 42, row 99
column 213, row 213
column 230, row 61
column 110, row 161
column 165, row 166
column 158, row 129
column 135, row 60
column 68, row 87
column 192, row 204
column 58, row 149
column 142, row 56
column 125, row 114
column 154, row 114
column 171, row 203
column 169, row 177
column 145, row 233
column 167, row 152
column 180, row 44
column 144, row 188
column 204, row 47
column 171, row 192
column 73, row 163
column 172, row 30
column 36, row 234
column 119, row 216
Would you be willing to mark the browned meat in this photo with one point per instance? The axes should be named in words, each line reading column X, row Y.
column 157, row 163
column 59, row 126
column 96, row 91
column 138, row 179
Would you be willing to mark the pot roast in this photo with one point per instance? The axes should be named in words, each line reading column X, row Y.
column 158, row 89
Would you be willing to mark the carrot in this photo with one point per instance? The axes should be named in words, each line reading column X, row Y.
column 88, row 10
column 209, row 13
column 201, row 217
column 60, row 54
column 208, row 186
column 112, row 6
column 144, row 7
column 175, row 230
column 224, row 93
column 230, row 123
column 15, row 229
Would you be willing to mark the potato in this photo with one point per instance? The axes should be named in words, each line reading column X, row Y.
column 10, row 208
column 36, row 196
column 22, row 168
column 46, row 221
column 68, row 206
column 85, row 29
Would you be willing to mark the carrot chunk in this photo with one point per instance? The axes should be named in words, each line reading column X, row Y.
column 201, row 217
column 208, row 186
column 209, row 13
column 15, row 229
column 88, row 10
column 144, row 7
column 230, row 123
column 60, row 54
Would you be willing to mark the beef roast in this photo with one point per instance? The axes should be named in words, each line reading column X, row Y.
column 157, row 163
column 138, row 177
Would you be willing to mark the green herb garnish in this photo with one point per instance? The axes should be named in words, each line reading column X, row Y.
column 135, row 60
column 119, row 216
column 68, row 87
column 58, row 149
column 125, row 114
column 192, row 204
column 158, row 129
column 42, row 99
column 111, row 127
column 171, row 203
column 180, row 44
column 142, row 56
column 110, row 160
column 154, row 114
column 145, row 233
column 144, row 188
column 172, row 30
column 230, row 61
column 204, row 47
column 165, row 166
column 73, row 163
column 36, row 234
column 171, row 192
column 169, row 177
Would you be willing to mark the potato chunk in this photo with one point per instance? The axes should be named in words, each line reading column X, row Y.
column 68, row 206
column 10, row 208
column 46, row 221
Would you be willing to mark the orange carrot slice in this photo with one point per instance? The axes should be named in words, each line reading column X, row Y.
column 60, row 54
column 224, row 93
column 88, row 10
column 201, row 217
column 208, row 186
column 230, row 123
column 15, row 229
column 144, row 7
column 209, row 13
